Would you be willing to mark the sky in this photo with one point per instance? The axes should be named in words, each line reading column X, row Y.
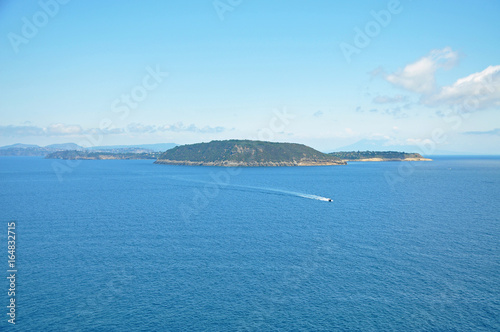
column 407, row 75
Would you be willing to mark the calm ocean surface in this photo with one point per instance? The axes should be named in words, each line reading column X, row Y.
column 129, row 245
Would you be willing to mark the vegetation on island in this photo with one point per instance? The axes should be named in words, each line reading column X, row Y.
column 247, row 153
column 87, row 155
column 375, row 155
column 215, row 153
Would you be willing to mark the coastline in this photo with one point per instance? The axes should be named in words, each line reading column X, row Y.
column 382, row 159
column 227, row 163
column 102, row 157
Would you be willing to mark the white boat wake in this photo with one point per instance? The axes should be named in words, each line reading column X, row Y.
column 294, row 193
column 260, row 189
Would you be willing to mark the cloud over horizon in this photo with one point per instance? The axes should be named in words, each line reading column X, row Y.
column 19, row 131
column 495, row 131
column 56, row 129
column 60, row 129
column 419, row 76
column 476, row 91
column 390, row 100
column 180, row 127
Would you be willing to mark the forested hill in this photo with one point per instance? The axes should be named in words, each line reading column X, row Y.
column 247, row 153
column 378, row 156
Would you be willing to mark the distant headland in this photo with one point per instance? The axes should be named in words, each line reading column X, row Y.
column 32, row 150
column 88, row 155
column 378, row 156
column 215, row 153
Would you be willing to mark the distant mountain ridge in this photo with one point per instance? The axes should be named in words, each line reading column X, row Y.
column 42, row 151
column 157, row 147
column 25, row 150
column 18, row 146
column 246, row 153
column 65, row 146
column 90, row 155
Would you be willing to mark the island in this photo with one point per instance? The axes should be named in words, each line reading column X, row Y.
column 88, row 155
column 378, row 156
column 233, row 153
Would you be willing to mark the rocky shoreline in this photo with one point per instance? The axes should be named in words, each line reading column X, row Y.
column 226, row 163
column 382, row 159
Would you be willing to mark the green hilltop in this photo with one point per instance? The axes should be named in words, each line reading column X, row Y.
column 241, row 153
column 247, row 153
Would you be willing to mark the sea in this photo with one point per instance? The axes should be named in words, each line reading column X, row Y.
column 128, row 245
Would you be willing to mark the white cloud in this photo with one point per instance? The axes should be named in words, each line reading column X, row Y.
column 495, row 132
column 420, row 75
column 477, row 91
column 180, row 127
column 17, row 131
column 346, row 133
column 140, row 128
column 419, row 141
column 389, row 100
column 56, row 129
column 62, row 129
column 396, row 112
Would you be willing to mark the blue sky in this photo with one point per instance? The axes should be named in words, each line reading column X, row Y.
column 412, row 75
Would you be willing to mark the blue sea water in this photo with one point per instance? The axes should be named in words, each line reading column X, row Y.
column 133, row 246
